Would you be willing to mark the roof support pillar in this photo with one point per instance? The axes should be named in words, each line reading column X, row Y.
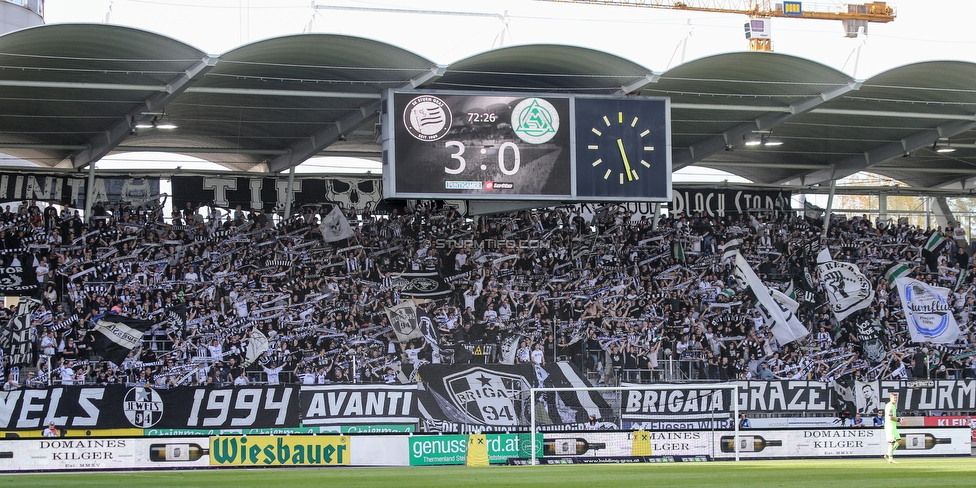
column 289, row 194
column 735, row 134
column 315, row 143
column 830, row 206
column 882, row 207
column 90, row 193
column 100, row 145
column 945, row 216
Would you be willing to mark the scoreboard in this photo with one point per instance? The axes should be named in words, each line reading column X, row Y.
column 519, row 146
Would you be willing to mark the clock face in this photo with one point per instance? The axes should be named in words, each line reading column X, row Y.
column 622, row 149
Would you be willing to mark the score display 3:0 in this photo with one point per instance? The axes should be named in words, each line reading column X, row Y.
column 462, row 164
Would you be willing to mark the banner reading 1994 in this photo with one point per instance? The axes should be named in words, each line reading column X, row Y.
column 116, row 407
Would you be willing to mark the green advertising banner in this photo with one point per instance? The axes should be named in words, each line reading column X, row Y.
column 210, row 432
column 501, row 447
column 432, row 450
column 366, row 429
column 338, row 429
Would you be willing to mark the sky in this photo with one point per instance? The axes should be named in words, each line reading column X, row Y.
column 445, row 31
column 924, row 30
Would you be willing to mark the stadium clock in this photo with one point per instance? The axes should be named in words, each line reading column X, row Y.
column 623, row 149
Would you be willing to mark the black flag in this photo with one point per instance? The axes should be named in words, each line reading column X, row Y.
column 422, row 284
column 18, row 280
column 16, row 339
column 116, row 335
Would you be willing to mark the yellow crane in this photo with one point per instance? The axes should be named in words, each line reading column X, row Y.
column 854, row 16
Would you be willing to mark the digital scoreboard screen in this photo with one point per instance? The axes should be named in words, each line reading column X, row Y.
column 484, row 145
column 519, row 146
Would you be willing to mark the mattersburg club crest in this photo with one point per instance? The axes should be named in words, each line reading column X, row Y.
column 535, row 120
column 489, row 397
column 143, row 407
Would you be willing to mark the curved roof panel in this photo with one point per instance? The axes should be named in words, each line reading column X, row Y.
column 73, row 93
column 542, row 67
column 65, row 85
column 268, row 97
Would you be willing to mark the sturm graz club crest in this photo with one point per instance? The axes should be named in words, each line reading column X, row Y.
column 427, row 118
column 421, row 284
column 143, row 407
column 489, row 397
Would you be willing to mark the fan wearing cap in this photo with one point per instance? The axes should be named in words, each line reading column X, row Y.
column 51, row 431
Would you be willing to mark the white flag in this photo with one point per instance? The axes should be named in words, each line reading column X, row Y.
column 509, row 346
column 784, row 300
column 256, row 345
column 785, row 326
column 403, row 318
column 848, row 290
column 928, row 311
column 335, row 226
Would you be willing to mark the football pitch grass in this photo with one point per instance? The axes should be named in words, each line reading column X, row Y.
column 858, row 473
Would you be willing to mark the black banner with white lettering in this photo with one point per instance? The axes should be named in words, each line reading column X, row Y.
column 17, row 340
column 359, row 404
column 18, row 280
column 465, row 398
column 267, row 193
column 719, row 203
column 72, row 190
column 942, row 395
column 118, row 407
column 703, row 404
column 787, row 396
column 777, row 396
column 815, row 396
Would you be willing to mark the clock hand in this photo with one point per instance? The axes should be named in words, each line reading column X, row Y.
column 623, row 154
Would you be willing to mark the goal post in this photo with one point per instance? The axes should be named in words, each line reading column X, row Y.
column 693, row 421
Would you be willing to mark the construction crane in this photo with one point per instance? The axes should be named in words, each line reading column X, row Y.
column 854, row 17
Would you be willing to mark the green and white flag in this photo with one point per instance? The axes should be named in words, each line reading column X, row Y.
column 895, row 271
column 935, row 242
column 678, row 249
column 960, row 278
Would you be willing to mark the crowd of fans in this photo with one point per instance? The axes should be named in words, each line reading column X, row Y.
column 619, row 295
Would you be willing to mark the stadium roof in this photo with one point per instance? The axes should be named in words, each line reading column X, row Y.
column 74, row 93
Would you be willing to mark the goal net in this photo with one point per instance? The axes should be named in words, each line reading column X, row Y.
column 672, row 422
